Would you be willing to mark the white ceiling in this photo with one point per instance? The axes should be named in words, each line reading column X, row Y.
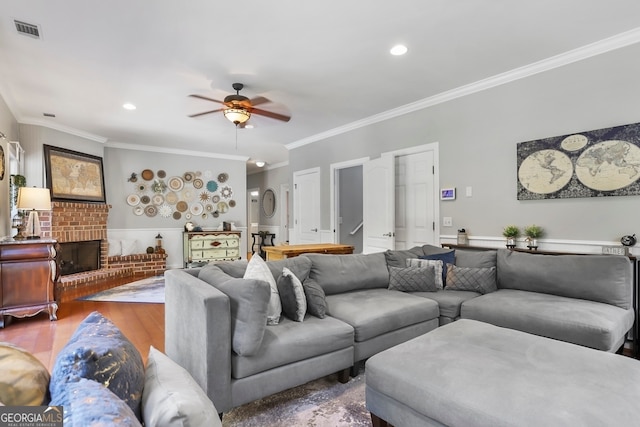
column 327, row 64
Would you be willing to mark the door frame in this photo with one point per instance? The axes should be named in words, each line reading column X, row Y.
column 334, row 196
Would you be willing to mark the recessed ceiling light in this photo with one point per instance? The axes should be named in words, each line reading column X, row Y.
column 129, row 106
column 248, row 126
column 260, row 163
column 398, row 49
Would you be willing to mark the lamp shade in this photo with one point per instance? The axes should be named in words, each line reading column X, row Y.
column 33, row 198
column 237, row 115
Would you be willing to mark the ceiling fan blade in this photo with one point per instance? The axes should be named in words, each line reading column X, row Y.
column 259, row 100
column 270, row 114
column 206, row 99
column 206, row 112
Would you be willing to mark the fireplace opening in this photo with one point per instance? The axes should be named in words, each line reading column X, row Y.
column 76, row 257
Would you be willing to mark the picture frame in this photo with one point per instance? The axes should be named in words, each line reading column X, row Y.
column 74, row 176
column 448, row 193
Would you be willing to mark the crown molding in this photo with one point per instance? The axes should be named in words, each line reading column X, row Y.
column 192, row 153
column 584, row 52
column 65, row 129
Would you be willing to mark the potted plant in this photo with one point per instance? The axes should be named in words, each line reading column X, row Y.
column 511, row 232
column 533, row 233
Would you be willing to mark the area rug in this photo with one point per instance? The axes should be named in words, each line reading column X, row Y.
column 149, row 290
column 319, row 403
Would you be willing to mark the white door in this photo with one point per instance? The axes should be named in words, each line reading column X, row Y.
column 306, row 206
column 415, row 192
column 379, row 204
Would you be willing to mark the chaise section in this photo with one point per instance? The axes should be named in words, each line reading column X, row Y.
column 449, row 302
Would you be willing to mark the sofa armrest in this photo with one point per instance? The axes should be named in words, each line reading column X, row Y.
column 198, row 333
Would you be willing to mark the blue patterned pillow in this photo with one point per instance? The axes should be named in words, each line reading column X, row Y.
column 446, row 258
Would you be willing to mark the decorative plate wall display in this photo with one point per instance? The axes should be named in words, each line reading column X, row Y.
column 182, row 206
column 232, row 203
column 176, row 183
column 215, row 198
column 212, row 186
column 196, row 209
column 161, row 174
column 138, row 210
column 147, row 174
column 157, row 199
column 177, row 215
column 133, row 199
column 141, row 187
column 223, row 207
column 226, row 192
column 145, row 199
column 188, row 176
column 223, row 177
column 171, row 198
column 198, row 183
column 165, row 211
column 151, row 211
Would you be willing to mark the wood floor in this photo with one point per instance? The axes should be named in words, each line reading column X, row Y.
column 142, row 324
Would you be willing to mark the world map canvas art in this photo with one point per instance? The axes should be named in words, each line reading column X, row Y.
column 603, row 162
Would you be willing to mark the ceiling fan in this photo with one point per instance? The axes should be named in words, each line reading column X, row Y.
column 238, row 108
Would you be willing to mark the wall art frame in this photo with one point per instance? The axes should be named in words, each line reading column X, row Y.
column 74, row 176
column 596, row 163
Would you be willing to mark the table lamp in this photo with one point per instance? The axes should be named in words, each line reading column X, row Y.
column 33, row 199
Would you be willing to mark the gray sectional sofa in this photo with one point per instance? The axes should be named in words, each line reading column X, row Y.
column 215, row 320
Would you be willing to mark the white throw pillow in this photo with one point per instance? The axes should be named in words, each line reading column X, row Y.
column 437, row 265
column 259, row 270
column 171, row 397
column 129, row 247
column 115, row 247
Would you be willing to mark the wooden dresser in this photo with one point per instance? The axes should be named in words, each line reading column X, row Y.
column 202, row 247
column 28, row 274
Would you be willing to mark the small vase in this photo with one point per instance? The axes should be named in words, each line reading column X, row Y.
column 511, row 242
column 532, row 243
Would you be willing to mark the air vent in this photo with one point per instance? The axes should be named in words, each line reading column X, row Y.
column 27, row 29
column 48, row 114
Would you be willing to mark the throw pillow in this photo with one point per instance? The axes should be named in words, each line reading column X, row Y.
column 316, row 299
column 89, row 403
column 248, row 303
column 114, row 247
column 129, row 247
column 446, row 258
column 397, row 257
column 437, row 268
column 25, row 380
column 99, row 351
column 294, row 303
column 482, row 280
column 171, row 397
column 258, row 269
column 413, row 279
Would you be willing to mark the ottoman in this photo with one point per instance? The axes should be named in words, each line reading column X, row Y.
column 469, row 373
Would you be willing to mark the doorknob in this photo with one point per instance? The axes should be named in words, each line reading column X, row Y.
column 315, row 230
column 388, row 234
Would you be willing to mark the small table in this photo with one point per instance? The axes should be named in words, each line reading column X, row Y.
column 289, row 251
column 265, row 239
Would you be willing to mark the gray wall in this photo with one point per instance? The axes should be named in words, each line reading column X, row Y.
column 477, row 137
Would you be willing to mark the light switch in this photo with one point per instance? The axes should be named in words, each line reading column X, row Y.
column 469, row 191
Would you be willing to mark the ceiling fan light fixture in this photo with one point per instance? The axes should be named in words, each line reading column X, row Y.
column 237, row 115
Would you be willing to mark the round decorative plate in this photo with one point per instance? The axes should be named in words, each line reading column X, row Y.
column 223, row 177
column 215, row 199
column 204, row 216
column 187, row 215
column 138, row 210
column 232, row 203
column 216, row 214
column 198, row 174
column 182, row 206
column 176, row 183
column 145, row 199
column 188, row 195
column 223, row 207
column 226, row 192
column 196, row 209
column 209, row 207
column 188, row 176
column 157, row 199
column 147, row 174
column 177, row 215
column 151, row 211
column 165, row 211
column 171, row 198
column 212, row 186
column 161, row 174
column 204, row 196
column 133, row 199
column 141, row 187
column 198, row 183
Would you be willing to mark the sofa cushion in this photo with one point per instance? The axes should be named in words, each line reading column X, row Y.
column 449, row 301
column 233, row 268
column 294, row 302
column 316, row 300
column 437, row 265
column 257, row 269
column 398, row 258
column 413, row 279
column 373, row 312
column 89, row 403
column 299, row 265
column 249, row 302
column 343, row 273
column 476, row 259
column 212, row 274
column 601, row 278
column 446, row 258
column 24, row 380
column 482, row 280
column 171, row 397
column 99, row 351
column 578, row 321
column 290, row 341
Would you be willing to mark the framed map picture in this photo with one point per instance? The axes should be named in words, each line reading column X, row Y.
column 74, row 176
column 603, row 162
